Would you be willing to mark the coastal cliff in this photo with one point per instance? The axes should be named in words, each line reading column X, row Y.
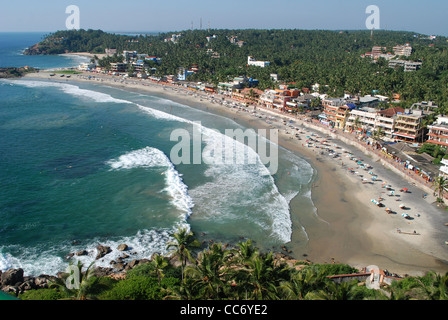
column 44, row 49
column 8, row 73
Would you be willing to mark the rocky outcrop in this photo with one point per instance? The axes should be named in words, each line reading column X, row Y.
column 9, row 73
column 12, row 277
column 102, row 251
column 13, row 281
column 33, row 51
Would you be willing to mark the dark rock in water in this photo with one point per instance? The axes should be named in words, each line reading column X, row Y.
column 102, row 251
column 12, row 277
column 69, row 256
column 82, row 253
column 122, row 247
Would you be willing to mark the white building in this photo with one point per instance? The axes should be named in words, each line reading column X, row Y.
column 87, row 66
column 408, row 65
column 370, row 119
column 252, row 62
column 174, row 38
column 405, row 50
column 444, row 168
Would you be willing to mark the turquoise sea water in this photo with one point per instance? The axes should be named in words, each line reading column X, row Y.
column 84, row 164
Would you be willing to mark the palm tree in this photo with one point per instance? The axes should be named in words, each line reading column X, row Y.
column 334, row 291
column 245, row 251
column 159, row 263
column 378, row 134
column 263, row 276
column 356, row 124
column 75, row 282
column 439, row 185
column 302, row 283
column 210, row 271
column 437, row 288
column 183, row 242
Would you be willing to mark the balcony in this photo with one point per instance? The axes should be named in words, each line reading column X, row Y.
column 399, row 126
column 414, row 122
column 442, row 142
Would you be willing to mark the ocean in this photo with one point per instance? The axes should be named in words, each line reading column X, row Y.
column 84, row 164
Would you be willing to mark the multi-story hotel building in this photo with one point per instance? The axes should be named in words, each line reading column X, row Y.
column 336, row 112
column 409, row 126
column 438, row 132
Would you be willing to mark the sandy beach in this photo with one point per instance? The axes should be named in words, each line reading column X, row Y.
column 352, row 229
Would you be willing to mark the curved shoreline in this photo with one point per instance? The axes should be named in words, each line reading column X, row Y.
column 354, row 232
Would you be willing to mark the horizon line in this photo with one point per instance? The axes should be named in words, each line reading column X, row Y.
column 230, row 29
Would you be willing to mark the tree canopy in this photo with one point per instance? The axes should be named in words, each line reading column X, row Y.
column 299, row 57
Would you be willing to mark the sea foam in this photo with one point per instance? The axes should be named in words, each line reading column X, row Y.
column 71, row 90
column 238, row 179
column 48, row 260
column 149, row 158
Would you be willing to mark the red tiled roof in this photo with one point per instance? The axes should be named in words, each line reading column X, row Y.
column 391, row 112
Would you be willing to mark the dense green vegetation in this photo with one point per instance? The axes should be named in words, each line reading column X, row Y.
column 434, row 150
column 302, row 57
column 240, row 273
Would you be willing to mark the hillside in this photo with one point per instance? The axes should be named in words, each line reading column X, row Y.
column 299, row 57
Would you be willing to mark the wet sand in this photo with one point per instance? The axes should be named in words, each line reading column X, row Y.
column 347, row 227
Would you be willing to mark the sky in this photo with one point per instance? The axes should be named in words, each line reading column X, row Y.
column 426, row 17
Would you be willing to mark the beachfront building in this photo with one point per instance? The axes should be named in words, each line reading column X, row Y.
column 444, row 168
column 247, row 95
column 370, row 120
column 184, row 73
column 361, row 119
column 118, row 67
column 87, row 67
column 300, row 103
column 280, row 99
column 335, row 112
column 252, row 62
column 386, row 120
column 438, row 132
column 409, row 126
column 139, row 66
column 226, row 88
column 267, row 98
